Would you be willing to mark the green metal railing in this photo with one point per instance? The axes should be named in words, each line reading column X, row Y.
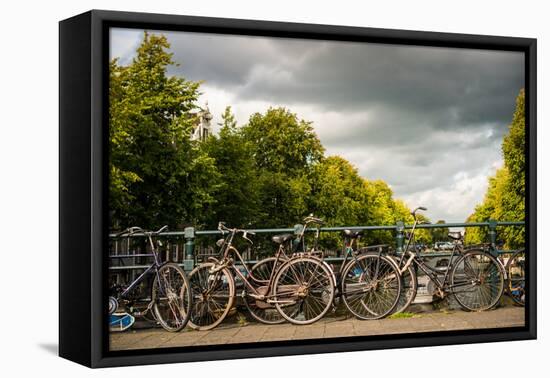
column 190, row 234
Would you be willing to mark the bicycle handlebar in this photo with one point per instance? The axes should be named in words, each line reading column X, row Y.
column 223, row 228
column 165, row 227
column 413, row 213
column 312, row 219
column 136, row 229
column 129, row 231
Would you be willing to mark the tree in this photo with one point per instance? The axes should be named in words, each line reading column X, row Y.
column 158, row 176
column 283, row 199
column 338, row 192
column 491, row 207
column 513, row 149
column 505, row 197
column 238, row 194
column 440, row 234
column 285, row 150
column 338, row 195
column 283, row 143
column 342, row 197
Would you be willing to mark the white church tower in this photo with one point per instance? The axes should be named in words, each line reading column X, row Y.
column 203, row 128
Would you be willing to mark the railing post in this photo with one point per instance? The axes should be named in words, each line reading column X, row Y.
column 399, row 237
column 493, row 236
column 189, row 262
column 297, row 231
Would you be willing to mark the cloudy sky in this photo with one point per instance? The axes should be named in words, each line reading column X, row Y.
column 428, row 121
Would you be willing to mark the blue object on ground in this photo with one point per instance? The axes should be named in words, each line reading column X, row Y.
column 120, row 322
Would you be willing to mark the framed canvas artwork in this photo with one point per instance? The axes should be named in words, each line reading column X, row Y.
column 235, row 188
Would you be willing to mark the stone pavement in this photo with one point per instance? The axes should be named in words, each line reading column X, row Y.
column 233, row 331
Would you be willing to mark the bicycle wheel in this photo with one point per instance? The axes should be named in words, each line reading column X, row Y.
column 371, row 286
column 304, row 290
column 477, row 281
column 515, row 269
column 171, row 297
column 409, row 288
column 259, row 309
column 213, row 296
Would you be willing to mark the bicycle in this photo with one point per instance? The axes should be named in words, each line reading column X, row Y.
column 515, row 270
column 369, row 284
column 474, row 277
column 301, row 288
column 170, row 299
column 263, row 269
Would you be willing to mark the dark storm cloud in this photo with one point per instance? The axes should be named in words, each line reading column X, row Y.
column 451, row 86
column 429, row 121
column 446, row 87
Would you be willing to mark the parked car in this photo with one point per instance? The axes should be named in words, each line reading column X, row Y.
column 443, row 246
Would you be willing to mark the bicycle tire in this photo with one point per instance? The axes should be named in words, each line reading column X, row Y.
column 360, row 283
column 179, row 302
column 409, row 289
column 202, row 317
column 488, row 296
column 262, row 271
column 409, row 285
column 515, row 286
column 302, row 297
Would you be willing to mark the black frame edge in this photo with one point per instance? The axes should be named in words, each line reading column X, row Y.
column 531, row 183
column 75, row 317
column 313, row 31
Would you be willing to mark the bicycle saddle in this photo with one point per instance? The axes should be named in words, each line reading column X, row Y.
column 352, row 234
column 280, row 239
column 455, row 235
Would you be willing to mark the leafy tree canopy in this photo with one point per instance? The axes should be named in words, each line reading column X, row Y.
column 158, row 175
column 505, row 197
column 283, row 143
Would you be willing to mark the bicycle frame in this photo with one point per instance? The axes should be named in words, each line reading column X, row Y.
column 348, row 251
column 431, row 273
column 153, row 267
column 351, row 255
column 228, row 249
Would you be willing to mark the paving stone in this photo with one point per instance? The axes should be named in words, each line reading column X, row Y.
column 368, row 327
column 408, row 325
column 279, row 332
column 331, row 326
column 185, row 339
column 339, row 329
column 217, row 337
column 312, row 331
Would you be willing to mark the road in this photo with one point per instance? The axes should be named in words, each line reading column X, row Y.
column 234, row 331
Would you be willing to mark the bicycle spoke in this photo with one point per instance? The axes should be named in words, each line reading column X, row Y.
column 371, row 287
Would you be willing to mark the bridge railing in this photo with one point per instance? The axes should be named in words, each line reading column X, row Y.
column 181, row 245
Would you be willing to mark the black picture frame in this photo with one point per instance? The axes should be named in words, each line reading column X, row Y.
column 83, row 230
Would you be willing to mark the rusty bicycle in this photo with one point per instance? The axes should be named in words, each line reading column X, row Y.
column 474, row 277
column 301, row 288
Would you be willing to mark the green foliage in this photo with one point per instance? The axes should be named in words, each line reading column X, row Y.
column 339, row 193
column 505, row 197
column 341, row 197
column 283, row 143
column 237, row 195
column 440, row 234
column 158, row 176
column 404, row 315
column 284, row 150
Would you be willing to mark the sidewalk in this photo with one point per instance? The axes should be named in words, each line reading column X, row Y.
column 232, row 332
